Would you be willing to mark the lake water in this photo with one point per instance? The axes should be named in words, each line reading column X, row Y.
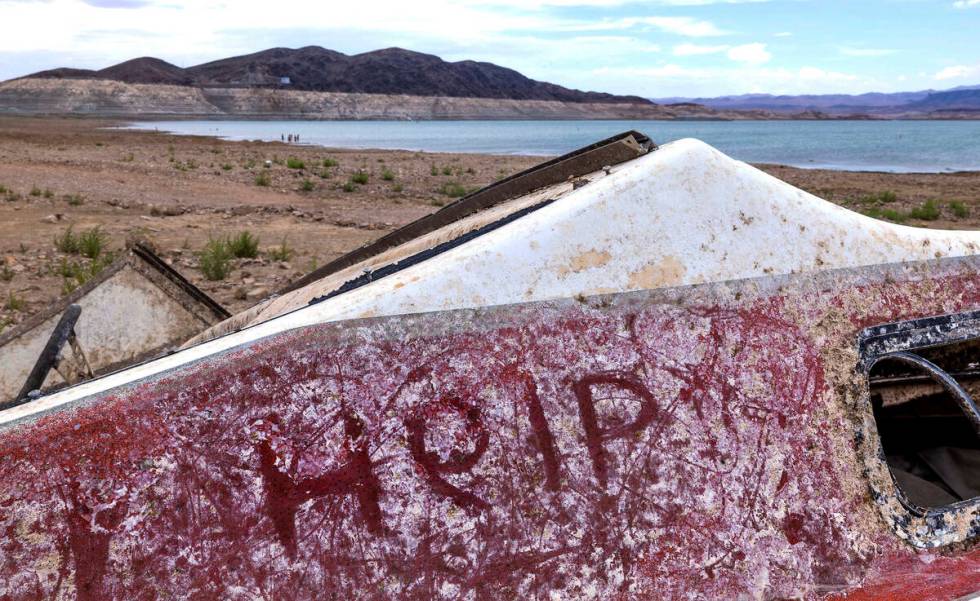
column 901, row 146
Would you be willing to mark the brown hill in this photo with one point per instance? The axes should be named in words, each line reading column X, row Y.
column 388, row 71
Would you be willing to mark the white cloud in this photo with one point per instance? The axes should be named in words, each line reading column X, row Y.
column 753, row 54
column 676, row 80
column 966, row 3
column 958, row 72
column 783, row 34
column 696, row 49
column 865, row 52
column 684, row 26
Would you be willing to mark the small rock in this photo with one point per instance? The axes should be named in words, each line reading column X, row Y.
column 54, row 218
column 248, row 281
column 259, row 292
column 283, row 265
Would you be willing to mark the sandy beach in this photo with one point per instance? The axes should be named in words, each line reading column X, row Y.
column 177, row 193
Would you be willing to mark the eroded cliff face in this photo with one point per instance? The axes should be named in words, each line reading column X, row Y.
column 116, row 99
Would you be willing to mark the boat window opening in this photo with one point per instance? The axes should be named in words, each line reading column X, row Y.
column 928, row 421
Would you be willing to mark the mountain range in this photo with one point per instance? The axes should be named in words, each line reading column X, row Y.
column 394, row 83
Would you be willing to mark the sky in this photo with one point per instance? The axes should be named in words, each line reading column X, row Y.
column 653, row 48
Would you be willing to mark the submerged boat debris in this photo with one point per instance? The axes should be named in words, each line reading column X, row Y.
column 136, row 308
column 635, row 372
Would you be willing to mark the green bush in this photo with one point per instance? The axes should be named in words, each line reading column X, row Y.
column 387, row 175
column 959, row 209
column 361, row 177
column 453, row 189
column 35, row 191
column 349, row 186
column 927, row 212
column 14, row 303
column 67, row 242
column 92, row 242
column 262, row 179
column 330, row 163
column 215, row 259
column 307, row 185
column 244, row 245
column 281, row 252
column 889, row 214
column 294, row 163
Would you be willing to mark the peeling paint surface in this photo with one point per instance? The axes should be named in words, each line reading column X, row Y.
column 688, row 443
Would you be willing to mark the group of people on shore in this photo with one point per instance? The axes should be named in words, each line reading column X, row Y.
column 289, row 138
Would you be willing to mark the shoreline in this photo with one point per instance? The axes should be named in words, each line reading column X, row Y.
column 177, row 192
column 436, row 140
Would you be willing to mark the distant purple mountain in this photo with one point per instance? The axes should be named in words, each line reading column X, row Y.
column 963, row 98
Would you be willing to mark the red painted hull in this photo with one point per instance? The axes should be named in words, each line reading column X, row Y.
column 682, row 444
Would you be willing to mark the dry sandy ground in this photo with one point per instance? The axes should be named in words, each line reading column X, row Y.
column 178, row 192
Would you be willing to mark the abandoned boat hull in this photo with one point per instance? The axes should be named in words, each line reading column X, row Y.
column 705, row 442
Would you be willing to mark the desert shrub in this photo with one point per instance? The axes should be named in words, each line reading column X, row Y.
column 244, row 245
column 92, row 242
column 889, row 214
column 887, row 196
column 330, row 163
column 67, row 242
column 74, row 200
column 927, row 212
column 307, row 185
column 14, row 302
column 35, row 191
column 959, row 209
column 453, row 189
column 294, row 163
column 349, row 186
column 281, row 252
column 387, row 175
column 361, row 177
column 262, row 179
column 215, row 259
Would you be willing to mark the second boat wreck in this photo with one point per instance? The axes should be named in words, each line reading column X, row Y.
column 636, row 373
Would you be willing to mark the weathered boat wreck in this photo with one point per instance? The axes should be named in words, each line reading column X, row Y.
column 633, row 372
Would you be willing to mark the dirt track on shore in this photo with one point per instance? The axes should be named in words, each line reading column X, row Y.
column 177, row 192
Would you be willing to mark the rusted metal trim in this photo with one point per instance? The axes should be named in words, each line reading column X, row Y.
column 962, row 397
column 180, row 281
column 611, row 151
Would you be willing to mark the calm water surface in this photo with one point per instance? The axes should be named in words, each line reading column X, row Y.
column 928, row 146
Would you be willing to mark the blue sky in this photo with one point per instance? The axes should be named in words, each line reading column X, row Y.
column 653, row 48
